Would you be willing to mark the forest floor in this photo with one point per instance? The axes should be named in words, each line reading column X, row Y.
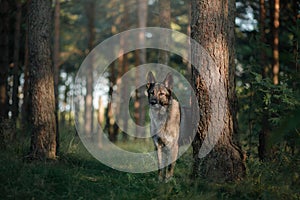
column 77, row 175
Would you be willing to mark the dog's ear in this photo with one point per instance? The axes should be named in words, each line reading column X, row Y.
column 150, row 79
column 168, row 82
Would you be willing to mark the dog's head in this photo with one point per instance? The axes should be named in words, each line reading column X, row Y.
column 159, row 94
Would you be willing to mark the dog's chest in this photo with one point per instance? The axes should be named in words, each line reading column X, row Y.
column 164, row 126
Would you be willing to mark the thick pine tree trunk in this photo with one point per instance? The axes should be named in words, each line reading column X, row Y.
column 43, row 140
column 213, row 28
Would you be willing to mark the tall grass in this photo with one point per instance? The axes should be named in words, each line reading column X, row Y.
column 77, row 175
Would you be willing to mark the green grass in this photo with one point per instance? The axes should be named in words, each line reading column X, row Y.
column 77, row 175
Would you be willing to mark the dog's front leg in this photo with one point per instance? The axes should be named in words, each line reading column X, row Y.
column 160, row 163
column 172, row 160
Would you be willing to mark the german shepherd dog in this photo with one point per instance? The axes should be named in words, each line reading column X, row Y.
column 165, row 124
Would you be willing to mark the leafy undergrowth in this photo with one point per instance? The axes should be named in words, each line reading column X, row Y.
column 77, row 175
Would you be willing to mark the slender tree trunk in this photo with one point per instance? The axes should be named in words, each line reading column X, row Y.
column 275, row 42
column 25, row 106
column 90, row 11
column 100, row 119
column 4, row 56
column 56, row 66
column 124, row 70
column 142, row 23
column 262, row 29
column 43, row 140
column 4, row 61
column 16, row 70
column 213, row 28
column 165, row 22
column 265, row 131
column 109, row 124
column 296, row 18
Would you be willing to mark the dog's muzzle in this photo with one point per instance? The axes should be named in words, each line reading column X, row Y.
column 153, row 102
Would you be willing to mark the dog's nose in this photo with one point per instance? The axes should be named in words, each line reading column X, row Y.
column 153, row 101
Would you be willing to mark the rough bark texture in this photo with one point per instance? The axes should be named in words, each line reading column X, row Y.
column 213, row 27
column 43, row 141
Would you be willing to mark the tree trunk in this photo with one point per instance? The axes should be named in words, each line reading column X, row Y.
column 262, row 29
column 142, row 23
column 213, row 28
column 90, row 12
column 265, row 130
column 110, row 121
column 56, row 66
column 4, row 56
column 16, row 70
column 4, row 61
column 275, row 43
column 165, row 22
column 124, row 87
column 296, row 17
column 43, row 140
column 25, row 106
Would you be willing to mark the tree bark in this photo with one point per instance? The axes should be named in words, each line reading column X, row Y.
column 16, row 69
column 275, row 43
column 4, row 56
column 165, row 22
column 90, row 12
column 213, row 28
column 43, row 140
column 262, row 29
column 56, row 66
column 296, row 17
column 142, row 23
column 265, row 130
column 4, row 61
column 26, row 99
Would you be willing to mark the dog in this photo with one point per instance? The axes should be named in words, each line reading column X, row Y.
column 164, row 111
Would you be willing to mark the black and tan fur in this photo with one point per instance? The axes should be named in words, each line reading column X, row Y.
column 165, row 123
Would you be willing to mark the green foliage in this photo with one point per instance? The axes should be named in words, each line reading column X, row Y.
column 278, row 103
column 261, row 103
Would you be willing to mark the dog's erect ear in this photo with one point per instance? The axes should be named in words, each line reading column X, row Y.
column 150, row 79
column 168, row 82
